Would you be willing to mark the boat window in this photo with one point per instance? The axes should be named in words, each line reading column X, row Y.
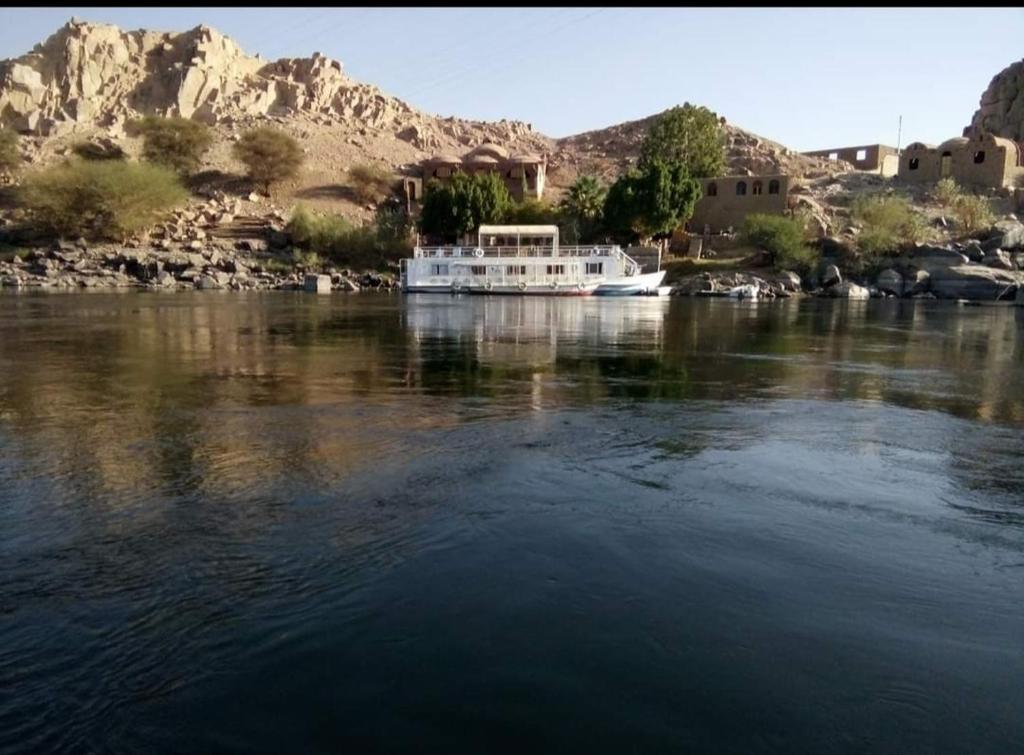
column 478, row 269
column 439, row 269
column 556, row 269
column 515, row 270
column 595, row 268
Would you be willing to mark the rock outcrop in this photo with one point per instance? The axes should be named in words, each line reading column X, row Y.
column 98, row 74
column 1001, row 110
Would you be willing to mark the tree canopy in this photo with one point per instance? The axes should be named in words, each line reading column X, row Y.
column 652, row 199
column 690, row 135
column 461, row 204
column 175, row 143
column 269, row 155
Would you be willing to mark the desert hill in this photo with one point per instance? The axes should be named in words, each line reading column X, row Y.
column 89, row 80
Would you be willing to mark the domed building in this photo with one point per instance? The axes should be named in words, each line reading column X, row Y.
column 981, row 160
column 524, row 174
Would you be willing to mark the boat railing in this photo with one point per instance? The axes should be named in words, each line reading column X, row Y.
column 504, row 252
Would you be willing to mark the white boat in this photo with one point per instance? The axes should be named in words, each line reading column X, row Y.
column 635, row 285
column 524, row 260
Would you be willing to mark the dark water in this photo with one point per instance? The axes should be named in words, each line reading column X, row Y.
column 284, row 523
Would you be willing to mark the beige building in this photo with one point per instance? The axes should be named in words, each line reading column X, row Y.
column 982, row 160
column 870, row 158
column 524, row 174
column 727, row 200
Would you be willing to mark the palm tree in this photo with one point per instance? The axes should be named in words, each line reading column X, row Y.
column 584, row 203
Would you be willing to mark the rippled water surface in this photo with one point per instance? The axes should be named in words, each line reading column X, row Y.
column 286, row 523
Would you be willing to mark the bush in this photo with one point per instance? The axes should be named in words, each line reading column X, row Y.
column 269, row 155
column 784, row 239
column 335, row 238
column 175, row 143
column 10, row 157
column 887, row 223
column 973, row 213
column 109, row 199
column 371, row 183
column 946, row 192
column 532, row 211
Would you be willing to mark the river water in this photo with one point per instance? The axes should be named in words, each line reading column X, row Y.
column 278, row 522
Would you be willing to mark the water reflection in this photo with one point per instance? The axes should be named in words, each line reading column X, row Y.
column 211, row 503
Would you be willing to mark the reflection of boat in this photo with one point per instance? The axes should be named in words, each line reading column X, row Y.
column 526, row 259
column 633, row 286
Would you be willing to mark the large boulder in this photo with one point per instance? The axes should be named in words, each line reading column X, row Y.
column 789, row 280
column 849, row 290
column 927, row 256
column 973, row 282
column 891, row 282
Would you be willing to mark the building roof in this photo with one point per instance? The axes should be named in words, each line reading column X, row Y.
column 482, row 160
column 528, row 157
column 920, row 145
column 956, row 141
column 444, row 159
column 492, row 150
column 519, row 230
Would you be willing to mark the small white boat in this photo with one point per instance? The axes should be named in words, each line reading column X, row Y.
column 635, row 285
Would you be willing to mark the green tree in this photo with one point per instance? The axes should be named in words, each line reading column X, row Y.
column 582, row 206
column 269, row 155
column 461, row 204
column 655, row 198
column 690, row 135
column 532, row 211
column 107, row 199
column 783, row 238
column 175, row 143
column 10, row 157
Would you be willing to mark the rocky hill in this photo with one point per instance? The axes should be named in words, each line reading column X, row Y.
column 1001, row 110
column 90, row 79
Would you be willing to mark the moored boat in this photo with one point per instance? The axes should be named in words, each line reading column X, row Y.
column 522, row 260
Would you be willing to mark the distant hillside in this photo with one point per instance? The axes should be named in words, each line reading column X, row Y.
column 89, row 79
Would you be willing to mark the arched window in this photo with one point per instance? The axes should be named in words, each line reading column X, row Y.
column 712, row 189
column 914, row 162
column 773, row 186
column 979, row 157
column 435, row 173
column 412, row 191
column 741, row 189
column 757, row 188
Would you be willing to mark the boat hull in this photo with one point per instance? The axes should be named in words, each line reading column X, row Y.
column 636, row 285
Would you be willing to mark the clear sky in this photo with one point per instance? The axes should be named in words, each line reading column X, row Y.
column 809, row 78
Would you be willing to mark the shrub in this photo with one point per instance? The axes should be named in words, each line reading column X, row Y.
column 973, row 213
column 175, row 143
column 371, row 183
column 269, row 155
column 783, row 238
column 886, row 224
column 946, row 192
column 335, row 238
column 532, row 211
column 10, row 157
column 109, row 199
